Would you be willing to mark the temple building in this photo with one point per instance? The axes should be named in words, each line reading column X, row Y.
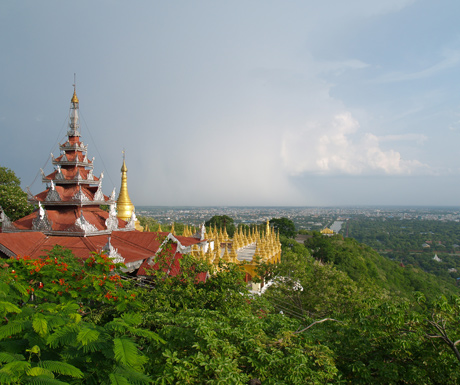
column 69, row 214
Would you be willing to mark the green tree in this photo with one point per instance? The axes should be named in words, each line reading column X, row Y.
column 221, row 222
column 12, row 199
column 285, row 226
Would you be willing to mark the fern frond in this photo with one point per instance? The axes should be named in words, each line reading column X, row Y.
column 135, row 377
column 152, row 336
column 117, row 325
column 116, row 379
column 55, row 322
column 96, row 346
column 38, row 371
column 16, row 367
column 62, row 368
column 40, row 324
column 87, row 336
column 65, row 336
column 8, row 378
column 4, row 289
column 127, row 354
column 132, row 319
column 42, row 380
column 12, row 328
column 8, row 307
column 10, row 357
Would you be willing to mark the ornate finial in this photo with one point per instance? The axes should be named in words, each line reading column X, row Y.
column 74, row 97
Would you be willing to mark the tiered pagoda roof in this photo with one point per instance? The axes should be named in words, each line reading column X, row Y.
column 70, row 205
column 69, row 214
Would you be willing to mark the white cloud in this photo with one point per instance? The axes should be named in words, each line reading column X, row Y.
column 334, row 148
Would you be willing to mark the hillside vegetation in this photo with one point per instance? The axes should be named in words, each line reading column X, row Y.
column 335, row 313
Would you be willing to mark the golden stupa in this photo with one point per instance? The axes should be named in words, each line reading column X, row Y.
column 125, row 208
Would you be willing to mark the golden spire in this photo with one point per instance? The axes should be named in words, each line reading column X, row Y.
column 234, row 255
column 74, row 97
column 173, row 232
column 124, row 205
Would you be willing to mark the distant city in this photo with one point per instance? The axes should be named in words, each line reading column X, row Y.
column 305, row 218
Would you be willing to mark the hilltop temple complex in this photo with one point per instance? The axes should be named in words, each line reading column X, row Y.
column 69, row 214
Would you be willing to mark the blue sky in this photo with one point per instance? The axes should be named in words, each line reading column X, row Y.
column 241, row 102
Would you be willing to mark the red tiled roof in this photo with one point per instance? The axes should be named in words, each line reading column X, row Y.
column 66, row 192
column 132, row 246
column 64, row 218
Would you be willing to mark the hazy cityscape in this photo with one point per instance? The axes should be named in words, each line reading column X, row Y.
column 305, row 218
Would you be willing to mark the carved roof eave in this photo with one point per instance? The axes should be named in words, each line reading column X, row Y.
column 132, row 266
column 6, row 251
column 74, row 203
column 73, row 163
column 67, row 233
column 77, row 147
column 72, row 181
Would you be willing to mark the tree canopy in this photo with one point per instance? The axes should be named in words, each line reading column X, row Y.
column 65, row 321
column 12, row 199
column 221, row 222
column 285, row 226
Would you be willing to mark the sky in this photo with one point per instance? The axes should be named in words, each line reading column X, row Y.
column 240, row 103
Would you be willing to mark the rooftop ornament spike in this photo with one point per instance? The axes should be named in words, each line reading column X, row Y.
column 41, row 222
column 113, row 252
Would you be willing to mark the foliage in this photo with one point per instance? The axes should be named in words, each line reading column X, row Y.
column 284, row 226
column 12, row 199
column 49, row 333
column 148, row 223
column 222, row 222
column 318, row 321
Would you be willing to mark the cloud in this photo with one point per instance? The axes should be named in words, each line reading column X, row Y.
column 450, row 59
column 334, row 148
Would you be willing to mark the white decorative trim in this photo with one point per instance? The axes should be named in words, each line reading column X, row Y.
column 84, row 225
column 64, row 158
column 112, row 221
column 6, row 222
column 59, row 174
column 132, row 221
column 99, row 195
column 41, row 222
column 80, row 196
column 90, row 175
column 113, row 253
column 53, row 195
column 112, row 196
column 78, row 176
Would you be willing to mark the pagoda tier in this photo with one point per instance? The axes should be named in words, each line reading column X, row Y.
column 70, row 205
column 72, row 221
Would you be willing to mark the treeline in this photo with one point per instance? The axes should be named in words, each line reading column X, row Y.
column 413, row 243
